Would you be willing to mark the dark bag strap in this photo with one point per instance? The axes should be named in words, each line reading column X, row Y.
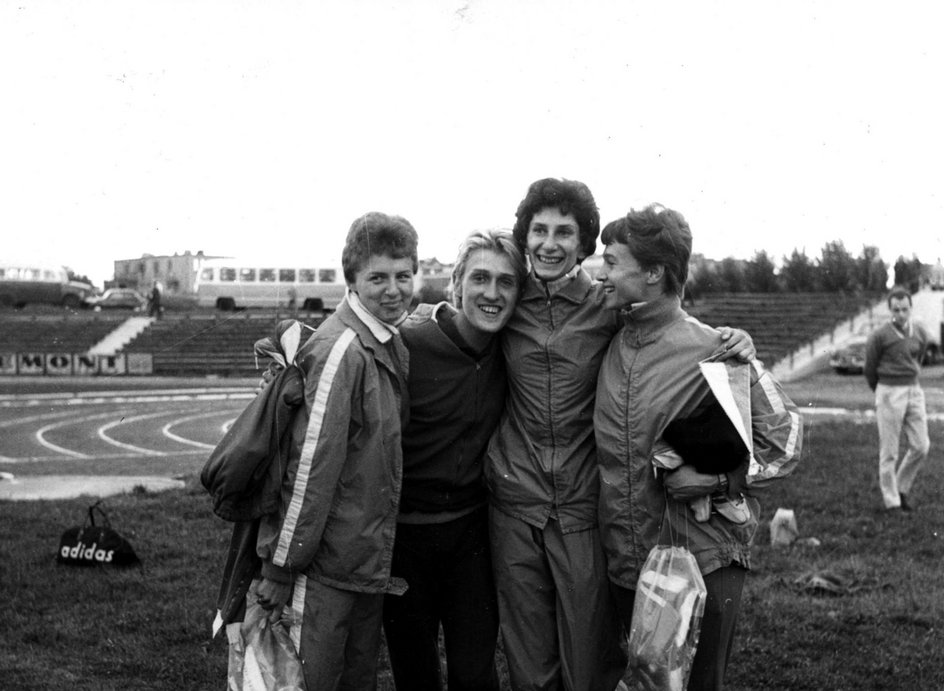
column 97, row 506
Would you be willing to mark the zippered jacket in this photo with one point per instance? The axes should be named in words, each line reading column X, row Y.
column 341, row 492
column 456, row 400
column 542, row 459
column 649, row 377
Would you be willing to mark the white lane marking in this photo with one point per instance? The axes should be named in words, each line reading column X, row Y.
column 97, row 456
column 192, row 442
column 35, row 418
column 40, row 434
column 103, row 433
column 150, row 394
column 32, row 401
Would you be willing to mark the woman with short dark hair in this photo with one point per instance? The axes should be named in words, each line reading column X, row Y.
column 328, row 547
column 651, row 382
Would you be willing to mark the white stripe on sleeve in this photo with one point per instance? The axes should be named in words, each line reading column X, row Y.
column 310, row 445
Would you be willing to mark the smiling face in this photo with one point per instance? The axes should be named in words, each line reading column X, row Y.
column 489, row 294
column 553, row 243
column 624, row 280
column 385, row 286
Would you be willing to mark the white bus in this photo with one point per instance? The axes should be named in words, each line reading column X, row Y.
column 23, row 283
column 229, row 284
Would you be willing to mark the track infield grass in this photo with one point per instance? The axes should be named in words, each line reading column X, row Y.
column 880, row 624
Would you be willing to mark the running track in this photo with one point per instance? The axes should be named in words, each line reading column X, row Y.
column 115, row 430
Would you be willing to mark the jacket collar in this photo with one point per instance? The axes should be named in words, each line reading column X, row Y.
column 382, row 331
column 573, row 286
column 647, row 319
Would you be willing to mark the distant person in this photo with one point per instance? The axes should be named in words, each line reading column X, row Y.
column 292, row 299
column 893, row 356
column 651, row 379
column 457, row 393
column 154, row 301
column 329, row 548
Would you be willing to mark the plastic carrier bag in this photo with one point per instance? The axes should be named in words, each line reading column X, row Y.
column 667, row 614
column 262, row 656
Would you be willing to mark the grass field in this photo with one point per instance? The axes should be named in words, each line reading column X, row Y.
column 881, row 627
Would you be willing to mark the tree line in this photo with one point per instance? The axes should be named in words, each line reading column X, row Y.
column 835, row 270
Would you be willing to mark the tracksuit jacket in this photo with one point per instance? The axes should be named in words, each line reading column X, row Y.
column 542, row 461
column 649, row 377
column 456, row 401
column 341, row 492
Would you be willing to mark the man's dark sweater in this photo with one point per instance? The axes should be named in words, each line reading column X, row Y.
column 894, row 357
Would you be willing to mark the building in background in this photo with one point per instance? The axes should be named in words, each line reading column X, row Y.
column 433, row 279
column 177, row 274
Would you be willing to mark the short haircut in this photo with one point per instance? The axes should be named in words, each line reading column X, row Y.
column 897, row 293
column 568, row 197
column 376, row 234
column 656, row 236
column 501, row 242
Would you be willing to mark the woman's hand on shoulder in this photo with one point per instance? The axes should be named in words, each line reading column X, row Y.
column 735, row 343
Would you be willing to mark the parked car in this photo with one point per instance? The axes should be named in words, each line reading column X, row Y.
column 117, row 298
column 849, row 357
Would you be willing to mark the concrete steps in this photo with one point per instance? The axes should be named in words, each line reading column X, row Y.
column 121, row 336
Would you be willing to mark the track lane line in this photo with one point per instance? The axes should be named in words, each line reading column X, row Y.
column 165, row 430
column 103, row 433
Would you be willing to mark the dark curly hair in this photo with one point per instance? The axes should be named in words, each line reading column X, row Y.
column 656, row 236
column 377, row 233
column 568, row 197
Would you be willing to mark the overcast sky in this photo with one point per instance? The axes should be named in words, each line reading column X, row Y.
column 238, row 127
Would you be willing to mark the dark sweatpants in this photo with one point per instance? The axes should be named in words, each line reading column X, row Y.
column 449, row 573
column 722, row 607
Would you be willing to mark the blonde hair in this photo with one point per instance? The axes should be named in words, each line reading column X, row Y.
column 498, row 241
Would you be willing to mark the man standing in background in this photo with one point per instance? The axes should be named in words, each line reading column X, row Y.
column 893, row 356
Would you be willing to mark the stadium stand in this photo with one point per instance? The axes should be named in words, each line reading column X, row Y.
column 69, row 332
column 780, row 323
column 220, row 344
column 207, row 344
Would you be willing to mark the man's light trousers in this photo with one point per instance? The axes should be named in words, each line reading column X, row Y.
column 900, row 409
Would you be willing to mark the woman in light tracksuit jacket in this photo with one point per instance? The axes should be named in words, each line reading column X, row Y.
column 328, row 550
column 650, row 377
